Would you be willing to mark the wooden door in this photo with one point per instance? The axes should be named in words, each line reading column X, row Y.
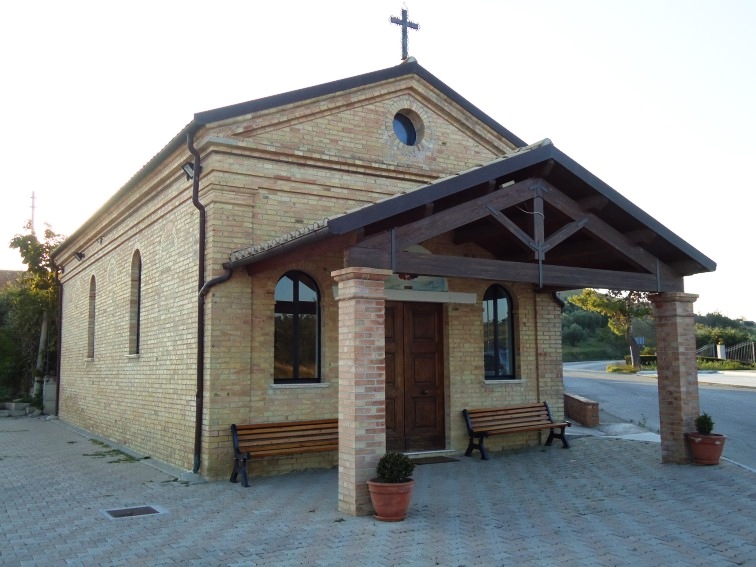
column 414, row 377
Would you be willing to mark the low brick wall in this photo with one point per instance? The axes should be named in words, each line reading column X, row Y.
column 582, row 410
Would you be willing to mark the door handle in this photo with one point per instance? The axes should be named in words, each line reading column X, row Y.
column 424, row 392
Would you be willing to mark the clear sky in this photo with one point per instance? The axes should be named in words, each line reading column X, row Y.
column 655, row 97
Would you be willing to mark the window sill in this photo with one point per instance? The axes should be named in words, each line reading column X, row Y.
column 133, row 356
column 300, row 386
column 504, row 381
column 89, row 359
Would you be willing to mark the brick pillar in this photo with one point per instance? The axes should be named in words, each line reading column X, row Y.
column 362, row 383
column 550, row 376
column 678, row 375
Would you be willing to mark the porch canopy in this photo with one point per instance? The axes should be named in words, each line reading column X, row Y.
column 544, row 218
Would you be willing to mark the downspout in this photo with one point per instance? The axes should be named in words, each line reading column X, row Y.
column 202, row 289
column 559, row 300
column 59, row 354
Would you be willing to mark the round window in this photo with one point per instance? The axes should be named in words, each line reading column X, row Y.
column 408, row 127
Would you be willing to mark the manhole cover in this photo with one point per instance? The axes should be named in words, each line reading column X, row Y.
column 133, row 512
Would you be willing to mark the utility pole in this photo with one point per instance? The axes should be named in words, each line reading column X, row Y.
column 33, row 207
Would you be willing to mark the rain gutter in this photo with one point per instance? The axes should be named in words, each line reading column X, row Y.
column 309, row 238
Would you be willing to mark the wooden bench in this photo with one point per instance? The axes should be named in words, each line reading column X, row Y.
column 482, row 423
column 283, row 438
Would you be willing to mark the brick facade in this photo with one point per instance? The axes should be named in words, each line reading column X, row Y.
column 264, row 175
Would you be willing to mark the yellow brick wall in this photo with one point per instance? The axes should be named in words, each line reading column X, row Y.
column 303, row 162
column 254, row 398
column 144, row 401
column 265, row 175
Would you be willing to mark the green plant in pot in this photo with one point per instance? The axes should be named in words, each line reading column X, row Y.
column 705, row 447
column 391, row 490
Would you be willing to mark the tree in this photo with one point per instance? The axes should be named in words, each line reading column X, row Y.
column 621, row 308
column 34, row 300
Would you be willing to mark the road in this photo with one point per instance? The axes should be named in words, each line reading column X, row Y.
column 635, row 399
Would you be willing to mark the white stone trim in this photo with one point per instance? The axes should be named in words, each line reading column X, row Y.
column 425, row 296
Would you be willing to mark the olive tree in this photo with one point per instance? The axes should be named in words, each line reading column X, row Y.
column 622, row 308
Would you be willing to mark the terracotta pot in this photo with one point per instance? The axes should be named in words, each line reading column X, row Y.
column 706, row 449
column 390, row 500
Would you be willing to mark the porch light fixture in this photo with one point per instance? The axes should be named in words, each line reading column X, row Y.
column 79, row 256
column 188, row 168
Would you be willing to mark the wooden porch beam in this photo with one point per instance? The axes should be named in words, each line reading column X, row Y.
column 563, row 233
column 539, row 220
column 609, row 235
column 563, row 277
column 523, row 236
column 466, row 213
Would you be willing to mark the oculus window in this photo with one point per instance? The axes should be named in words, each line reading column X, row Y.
column 498, row 334
column 296, row 350
column 408, row 127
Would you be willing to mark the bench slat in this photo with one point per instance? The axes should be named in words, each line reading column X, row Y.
column 501, row 429
column 509, row 418
column 273, row 435
column 254, row 446
column 509, row 408
column 286, row 425
column 278, row 450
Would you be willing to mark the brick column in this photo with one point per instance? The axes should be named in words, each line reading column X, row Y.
column 362, row 383
column 550, row 375
column 678, row 375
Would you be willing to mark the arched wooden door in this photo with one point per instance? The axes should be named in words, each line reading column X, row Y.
column 414, row 377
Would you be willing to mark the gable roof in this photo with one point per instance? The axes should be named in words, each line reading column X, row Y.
column 607, row 221
column 410, row 67
column 201, row 119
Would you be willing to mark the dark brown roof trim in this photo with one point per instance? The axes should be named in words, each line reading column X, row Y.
column 631, row 209
column 409, row 68
column 501, row 169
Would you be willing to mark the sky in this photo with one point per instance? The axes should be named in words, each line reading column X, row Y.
column 655, row 97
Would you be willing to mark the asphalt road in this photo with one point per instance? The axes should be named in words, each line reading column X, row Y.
column 635, row 399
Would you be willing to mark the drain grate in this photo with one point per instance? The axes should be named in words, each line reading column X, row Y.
column 133, row 512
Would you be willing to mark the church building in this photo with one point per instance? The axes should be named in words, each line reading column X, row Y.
column 374, row 249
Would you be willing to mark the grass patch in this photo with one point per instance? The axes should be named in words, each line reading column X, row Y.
column 724, row 365
column 703, row 364
column 109, row 452
column 621, row 369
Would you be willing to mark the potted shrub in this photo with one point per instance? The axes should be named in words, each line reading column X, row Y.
column 705, row 447
column 391, row 491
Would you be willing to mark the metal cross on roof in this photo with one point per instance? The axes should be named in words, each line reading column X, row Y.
column 405, row 23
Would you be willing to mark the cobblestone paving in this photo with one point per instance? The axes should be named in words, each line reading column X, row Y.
column 604, row 502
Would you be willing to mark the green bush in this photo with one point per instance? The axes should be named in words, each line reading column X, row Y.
column 646, row 360
column 716, row 364
column 11, row 364
column 704, row 424
column 395, row 467
column 574, row 334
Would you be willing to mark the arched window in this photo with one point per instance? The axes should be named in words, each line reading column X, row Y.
column 498, row 334
column 135, row 303
column 91, row 318
column 296, row 350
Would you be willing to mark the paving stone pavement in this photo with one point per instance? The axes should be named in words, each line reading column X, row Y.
column 604, row 502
